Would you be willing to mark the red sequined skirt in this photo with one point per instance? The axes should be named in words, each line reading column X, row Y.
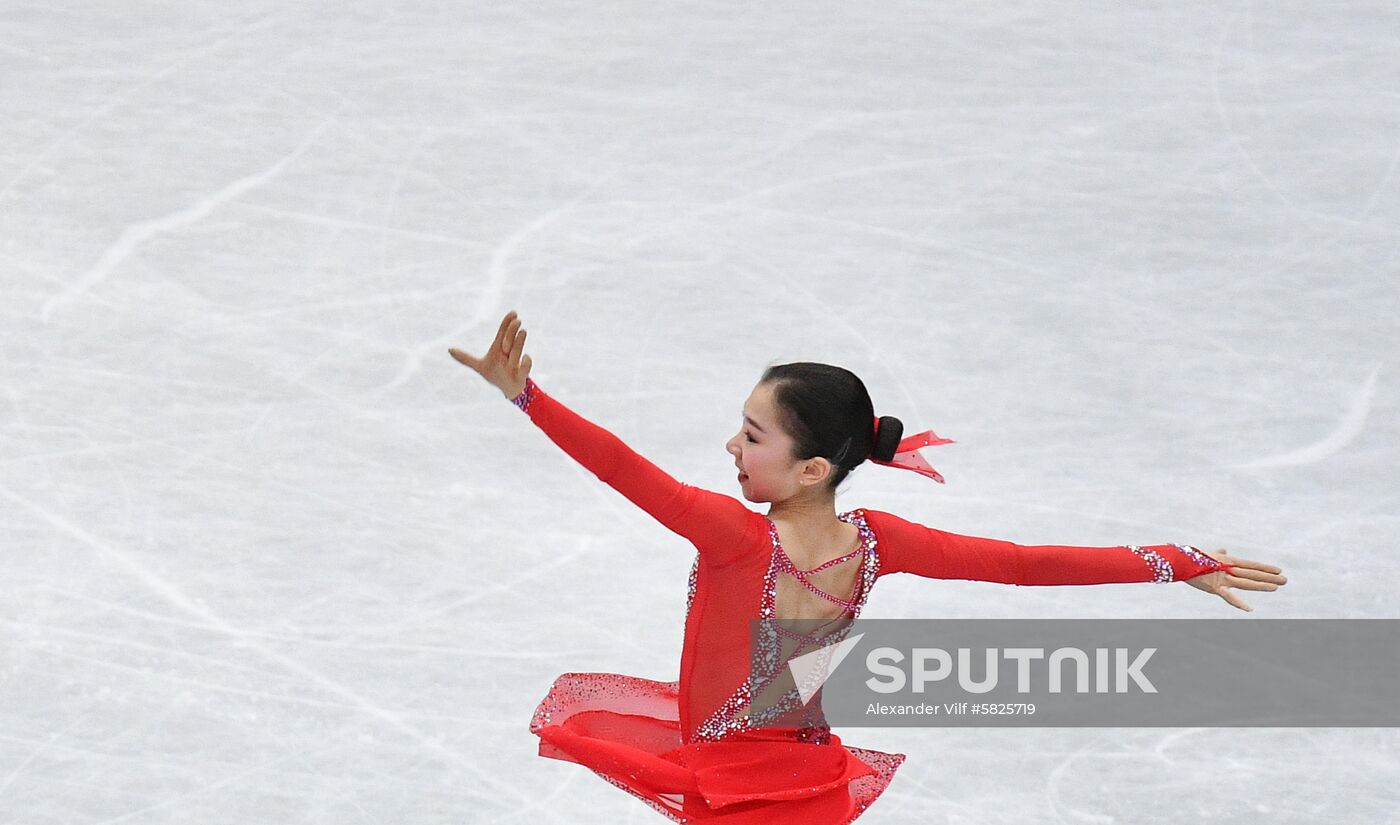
column 626, row 729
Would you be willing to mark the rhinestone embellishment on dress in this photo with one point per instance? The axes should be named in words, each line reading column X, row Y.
column 1161, row 568
column 726, row 719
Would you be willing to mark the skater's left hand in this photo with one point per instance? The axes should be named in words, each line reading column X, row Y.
column 1245, row 574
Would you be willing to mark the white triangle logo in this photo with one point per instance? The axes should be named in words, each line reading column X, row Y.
column 811, row 670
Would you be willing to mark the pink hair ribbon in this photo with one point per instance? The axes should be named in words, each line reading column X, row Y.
column 906, row 456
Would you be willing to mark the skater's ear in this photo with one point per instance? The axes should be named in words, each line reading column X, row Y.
column 815, row 471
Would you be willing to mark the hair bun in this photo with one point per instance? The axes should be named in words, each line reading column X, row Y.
column 887, row 439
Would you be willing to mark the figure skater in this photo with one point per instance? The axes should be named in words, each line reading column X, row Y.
column 688, row 748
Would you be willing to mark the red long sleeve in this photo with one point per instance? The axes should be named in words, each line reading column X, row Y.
column 909, row 547
column 719, row 526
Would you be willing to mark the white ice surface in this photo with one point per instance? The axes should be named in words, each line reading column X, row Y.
column 268, row 555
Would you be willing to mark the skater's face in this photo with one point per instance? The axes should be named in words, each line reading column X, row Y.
column 763, row 452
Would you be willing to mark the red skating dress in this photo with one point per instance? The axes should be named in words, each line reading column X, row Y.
column 686, row 747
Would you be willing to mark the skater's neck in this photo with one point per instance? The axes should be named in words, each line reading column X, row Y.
column 811, row 516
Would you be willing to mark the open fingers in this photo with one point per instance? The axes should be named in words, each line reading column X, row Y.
column 1257, row 575
column 1232, row 580
column 512, row 329
column 1222, row 587
column 1257, row 565
column 465, row 358
column 502, row 343
column 501, row 331
column 517, row 348
column 1235, row 601
column 1225, row 556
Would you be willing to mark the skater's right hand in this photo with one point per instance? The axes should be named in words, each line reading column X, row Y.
column 1241, row 573
column 503, row 366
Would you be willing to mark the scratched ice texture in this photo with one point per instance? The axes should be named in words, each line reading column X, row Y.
column 269, row 555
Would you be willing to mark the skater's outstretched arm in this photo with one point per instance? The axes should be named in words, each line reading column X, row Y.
column 718, row 525
column 909, row 547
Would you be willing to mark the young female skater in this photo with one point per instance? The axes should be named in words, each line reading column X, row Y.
column 688, row 747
